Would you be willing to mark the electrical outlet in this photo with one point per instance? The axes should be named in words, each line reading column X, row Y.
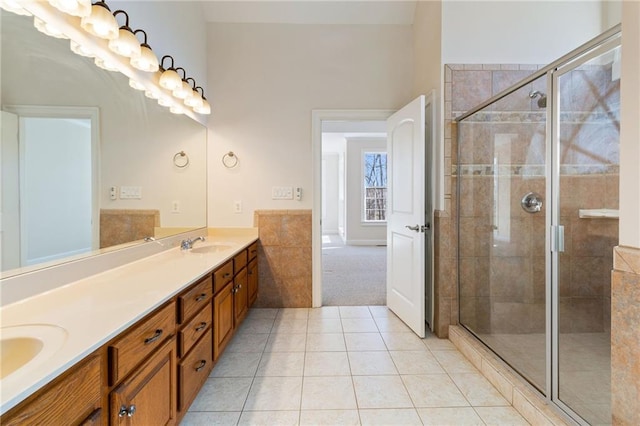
column 113, row 193
column 237, row 206
column 175, row 206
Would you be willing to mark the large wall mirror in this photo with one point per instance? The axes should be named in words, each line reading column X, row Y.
column 88, row 163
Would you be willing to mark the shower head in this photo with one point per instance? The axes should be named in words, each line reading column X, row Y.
column 542, row 102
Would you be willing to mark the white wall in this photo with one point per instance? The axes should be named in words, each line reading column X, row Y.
column 630, row 127
column 330, row 192
column 427, row 44
column 359, row 233
column 266, row 80
column 517, row 31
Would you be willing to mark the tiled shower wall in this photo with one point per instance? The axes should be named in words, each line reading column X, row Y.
column 625, row 339
column 284, row 258
column 503, row 279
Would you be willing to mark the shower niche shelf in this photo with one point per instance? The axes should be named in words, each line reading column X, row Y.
column 598, row 213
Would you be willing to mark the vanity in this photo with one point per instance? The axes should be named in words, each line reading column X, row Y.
column 138, row 341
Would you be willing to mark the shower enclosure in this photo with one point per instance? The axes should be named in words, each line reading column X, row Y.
column 537, row 176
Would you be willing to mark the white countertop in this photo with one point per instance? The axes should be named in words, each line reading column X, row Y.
column 95, row 309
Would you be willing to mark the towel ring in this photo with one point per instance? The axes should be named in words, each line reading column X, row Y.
column 181, row 159
column 230, row 160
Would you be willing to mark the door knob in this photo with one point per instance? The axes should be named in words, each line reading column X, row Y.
column 413, row 228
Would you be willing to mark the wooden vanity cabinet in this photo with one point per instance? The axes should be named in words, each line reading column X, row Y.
column 151, row 373
column 252, row 274
column 148, row 396
column 222, row 319
column 195, row 341
column 71, row 399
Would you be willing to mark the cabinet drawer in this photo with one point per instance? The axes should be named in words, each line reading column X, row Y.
column 194, row 329
column 130, row 349
column 68, row 400
column 194, row 370
column 239, row 261
column 222, row 276
column 194, row 299
column 253, row 250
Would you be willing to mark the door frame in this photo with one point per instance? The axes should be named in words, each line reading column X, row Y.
column 317, row 117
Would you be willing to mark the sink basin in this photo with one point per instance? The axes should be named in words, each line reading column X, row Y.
column 27, row 345
column 210, row 248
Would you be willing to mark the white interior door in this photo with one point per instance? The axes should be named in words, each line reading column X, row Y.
column 406, row 215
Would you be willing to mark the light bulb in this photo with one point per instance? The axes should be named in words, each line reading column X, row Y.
column 126, row 44
column 81, row 50
column 152, row 93
column 183, row 91
column 105, row 64
column 170, row 79
column 100, row 22
column 147, row 61
column 176, row 109
column 165, row 101
column 194, row 99
column 80, row 8
column 14, row 7
column 136, row 85
column 47, row 29
column 205, row 108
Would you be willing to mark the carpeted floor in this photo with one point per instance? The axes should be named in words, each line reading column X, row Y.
column 353, row 275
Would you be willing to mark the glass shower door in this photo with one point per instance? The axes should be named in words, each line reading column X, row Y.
column 502, row 210
column 587, row 159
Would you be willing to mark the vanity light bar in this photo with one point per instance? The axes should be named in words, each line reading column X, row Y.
column 97, row 19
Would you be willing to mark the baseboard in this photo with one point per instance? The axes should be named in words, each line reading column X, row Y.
column 366, row 242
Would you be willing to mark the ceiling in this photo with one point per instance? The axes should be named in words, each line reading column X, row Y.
column 311, row 12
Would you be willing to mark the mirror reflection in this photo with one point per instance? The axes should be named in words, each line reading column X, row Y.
column 88, row 163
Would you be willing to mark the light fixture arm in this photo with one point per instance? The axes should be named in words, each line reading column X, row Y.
column 126, row 19
column 144, row 43
column 193, row 85
column 172, row 67
column 201, row 92
column 184, row 73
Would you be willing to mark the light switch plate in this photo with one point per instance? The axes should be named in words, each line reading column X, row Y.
column 282, row 193
column 130, row 192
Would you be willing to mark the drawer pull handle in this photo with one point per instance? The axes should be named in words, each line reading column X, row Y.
column 201, row 365
column 124, row 411
column 226, row 275
column 201, row 297
column 201, row 326
column 154, row 337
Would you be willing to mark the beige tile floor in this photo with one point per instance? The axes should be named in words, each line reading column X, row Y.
column 346, row 365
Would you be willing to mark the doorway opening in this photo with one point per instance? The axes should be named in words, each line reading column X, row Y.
column 353, row 225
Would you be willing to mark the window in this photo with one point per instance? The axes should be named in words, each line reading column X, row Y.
column 375, row 186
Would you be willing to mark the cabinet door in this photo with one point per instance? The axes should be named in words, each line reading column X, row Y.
column 252, row 281
column 148, row 395
column 223, row 319
column 67, row 400
column 240, row 296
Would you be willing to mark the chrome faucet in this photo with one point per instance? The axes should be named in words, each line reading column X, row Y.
column 188, row 243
